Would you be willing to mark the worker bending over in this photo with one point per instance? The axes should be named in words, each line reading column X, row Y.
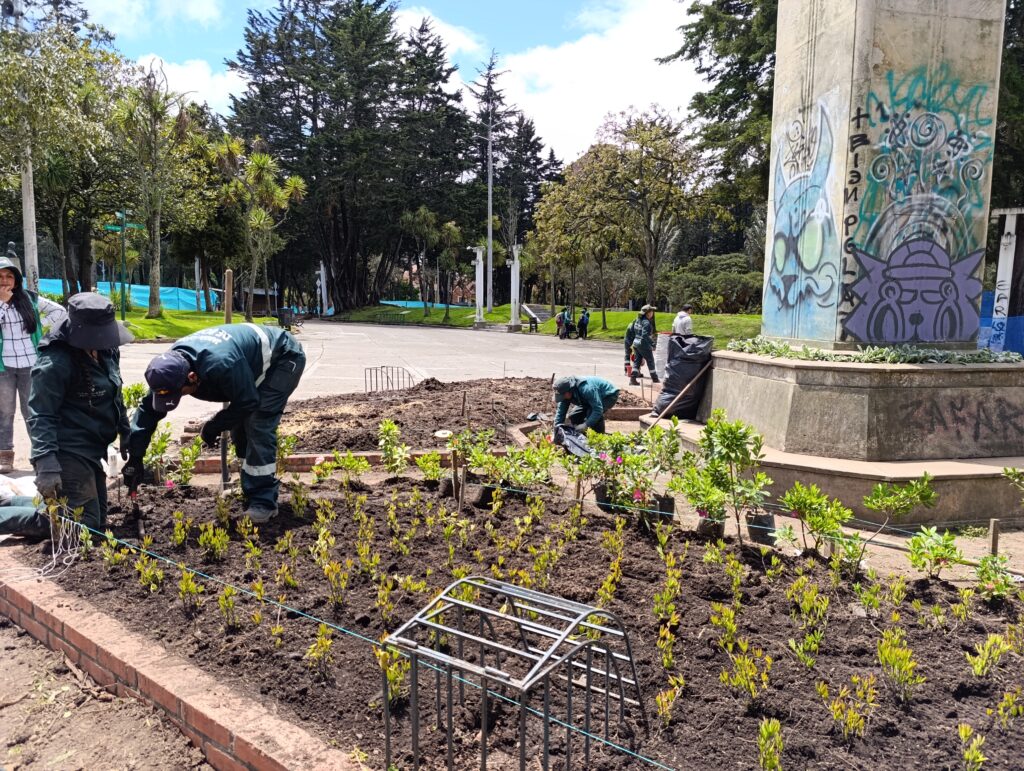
column 251, row 367
column 583, row 400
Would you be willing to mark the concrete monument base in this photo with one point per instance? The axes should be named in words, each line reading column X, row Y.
column 873, row 412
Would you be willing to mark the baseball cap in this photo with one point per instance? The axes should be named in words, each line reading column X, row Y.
column 166, row 375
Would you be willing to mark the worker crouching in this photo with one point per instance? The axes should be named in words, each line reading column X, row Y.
column 583, row 401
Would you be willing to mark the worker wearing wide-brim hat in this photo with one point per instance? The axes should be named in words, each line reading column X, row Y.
column 76, row 409
column 641, row 339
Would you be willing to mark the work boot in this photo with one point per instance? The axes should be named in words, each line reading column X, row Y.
column 260, row 512
column 634, row 381
column 6, row 461
column 654, row 377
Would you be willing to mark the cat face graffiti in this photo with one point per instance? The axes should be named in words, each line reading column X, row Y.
column 804, row 249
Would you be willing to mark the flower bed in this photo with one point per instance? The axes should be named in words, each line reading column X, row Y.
column 350, row 420
column 726, row 640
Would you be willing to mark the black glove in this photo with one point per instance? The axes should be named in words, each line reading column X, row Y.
column 48, row 484
column 131, row 472
column 210, row 438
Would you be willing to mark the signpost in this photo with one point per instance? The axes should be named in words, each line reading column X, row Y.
column 124, row 226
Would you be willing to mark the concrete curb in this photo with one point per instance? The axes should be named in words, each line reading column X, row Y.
column 235, row 733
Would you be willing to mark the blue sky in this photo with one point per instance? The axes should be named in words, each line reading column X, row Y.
column 568, row 63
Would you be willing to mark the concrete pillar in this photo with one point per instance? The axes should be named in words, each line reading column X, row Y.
column 480, row 290
column 882, row 145
column 514, row 324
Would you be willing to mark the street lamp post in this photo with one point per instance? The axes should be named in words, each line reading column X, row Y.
column 514, row 324
column 479, row 322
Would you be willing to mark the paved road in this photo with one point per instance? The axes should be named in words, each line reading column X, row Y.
column 337, row 356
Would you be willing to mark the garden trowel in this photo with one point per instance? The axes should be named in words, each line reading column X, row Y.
column 137, row 515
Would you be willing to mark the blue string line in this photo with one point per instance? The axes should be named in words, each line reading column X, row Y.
column 375, row 643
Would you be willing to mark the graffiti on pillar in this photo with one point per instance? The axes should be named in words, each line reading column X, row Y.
column 802, row 291
column 914, row 223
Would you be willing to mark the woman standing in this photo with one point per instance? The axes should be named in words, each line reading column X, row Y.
column 21, row 328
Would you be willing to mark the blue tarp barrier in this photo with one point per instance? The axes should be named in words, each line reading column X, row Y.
column 419, row 304
column 1013, row 339
column 172, row 298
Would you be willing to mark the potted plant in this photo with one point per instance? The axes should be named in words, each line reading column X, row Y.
column 702, row 491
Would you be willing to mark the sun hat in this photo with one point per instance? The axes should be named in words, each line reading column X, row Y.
column 92, row 324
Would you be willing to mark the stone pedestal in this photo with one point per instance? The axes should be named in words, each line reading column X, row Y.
column 882, row 147
column 874, row 412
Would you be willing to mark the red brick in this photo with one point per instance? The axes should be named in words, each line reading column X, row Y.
column 221, row 760
column 6, row 609
column 48, row 620
column 103, row 677
column 19, row 600
column 208, row 726
column 117, row 666
column 197, row 739
column 255, row 757
column 61, row 645
column 13, row 614
column 33, row 627
column 79, row 639
column 124, row 692
column 159, row 695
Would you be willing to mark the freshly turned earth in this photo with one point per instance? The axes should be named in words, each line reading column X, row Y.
column 349, row 421
column 710, row 727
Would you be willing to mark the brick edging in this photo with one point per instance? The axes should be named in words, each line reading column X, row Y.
column 235, row 733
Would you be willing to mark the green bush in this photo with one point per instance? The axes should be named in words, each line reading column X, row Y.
column 718, row 283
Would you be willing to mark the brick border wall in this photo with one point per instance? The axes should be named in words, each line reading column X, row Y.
column 235, row 733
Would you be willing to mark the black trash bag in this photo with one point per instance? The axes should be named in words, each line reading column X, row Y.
column 573, row 440
column 687, row 356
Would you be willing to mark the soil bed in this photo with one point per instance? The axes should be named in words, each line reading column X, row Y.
column 349, row 421
column 710, row 726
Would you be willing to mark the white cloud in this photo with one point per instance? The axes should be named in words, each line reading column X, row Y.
column 135, row 18
column 457, row 40
column 568, row 89
column 197, row 79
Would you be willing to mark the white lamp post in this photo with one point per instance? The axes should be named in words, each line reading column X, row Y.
column 480, row 289
column 514, row 324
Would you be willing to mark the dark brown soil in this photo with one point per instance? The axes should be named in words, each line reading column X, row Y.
column 710, row 727
column 349, row 421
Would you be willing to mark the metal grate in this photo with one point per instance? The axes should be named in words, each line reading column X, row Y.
column 377, row 379
column 518, row 645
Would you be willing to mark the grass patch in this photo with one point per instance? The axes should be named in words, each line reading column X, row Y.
column 722, row 326
column 177, row 324
column 459, row 317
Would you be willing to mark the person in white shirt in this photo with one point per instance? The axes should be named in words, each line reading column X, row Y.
column 21, row 328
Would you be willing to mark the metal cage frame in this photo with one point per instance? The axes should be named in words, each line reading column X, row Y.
column 507, row 639
column 387, row 378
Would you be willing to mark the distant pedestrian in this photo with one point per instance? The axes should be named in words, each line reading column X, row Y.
column 584, row 322
column 683, row 321
column 559, row 321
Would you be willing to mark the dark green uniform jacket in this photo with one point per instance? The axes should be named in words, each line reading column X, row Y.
column 594, row 392
column 231, row 362
column 75, row 404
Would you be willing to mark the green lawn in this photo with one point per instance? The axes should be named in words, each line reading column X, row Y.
column 175, row 324
column 723, row 327
column 459, row 317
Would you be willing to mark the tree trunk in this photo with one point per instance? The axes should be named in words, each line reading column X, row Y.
column 204, row 279
column 266, row 288
column 600, row 276
column 552, row 271
column 155, row 310
column 70, row 276
column 85, row 264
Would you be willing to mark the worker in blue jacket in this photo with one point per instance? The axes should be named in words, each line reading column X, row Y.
column 584, row 401
column 251, row 367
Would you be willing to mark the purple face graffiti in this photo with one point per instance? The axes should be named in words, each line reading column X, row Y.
column 917, row 295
